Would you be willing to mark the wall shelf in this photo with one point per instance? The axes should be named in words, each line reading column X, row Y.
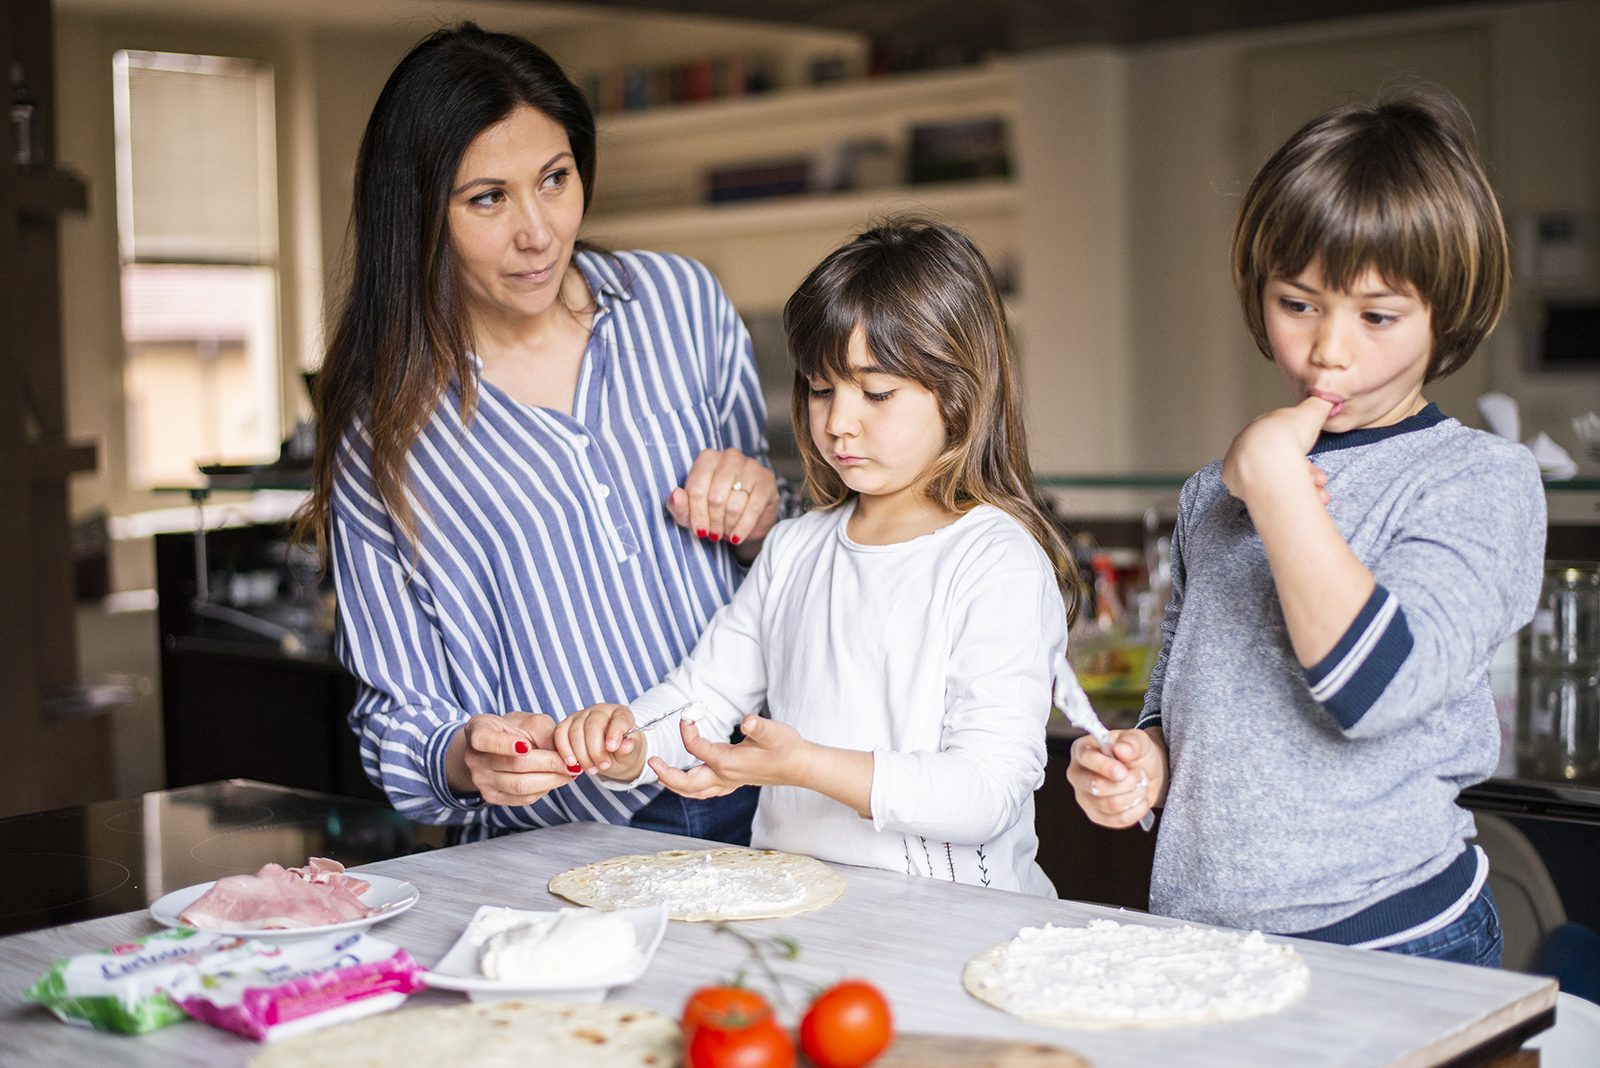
column 863, row 96
column 989, row 196
column 45, row 463
column 46, row 194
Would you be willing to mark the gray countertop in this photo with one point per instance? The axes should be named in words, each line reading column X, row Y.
column 908, row 935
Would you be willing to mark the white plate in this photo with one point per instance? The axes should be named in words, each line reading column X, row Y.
column 392, row 896
column 458, row 968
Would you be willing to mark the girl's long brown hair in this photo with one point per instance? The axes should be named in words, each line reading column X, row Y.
column 401, row 339
column 926, row 300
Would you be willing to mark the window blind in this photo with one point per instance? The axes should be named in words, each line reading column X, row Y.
column 195, row 160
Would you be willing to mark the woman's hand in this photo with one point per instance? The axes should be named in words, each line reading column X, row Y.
column 727, row 495
column 592, row 740
column 772, row 754
column 507, row 759
column 1115, row 789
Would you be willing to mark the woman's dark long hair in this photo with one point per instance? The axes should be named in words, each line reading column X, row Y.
column 402, row 337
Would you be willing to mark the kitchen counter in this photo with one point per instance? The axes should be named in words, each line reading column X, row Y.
column 910, row 936
column 110, row 857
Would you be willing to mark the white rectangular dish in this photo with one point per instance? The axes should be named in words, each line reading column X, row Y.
column 458, row 968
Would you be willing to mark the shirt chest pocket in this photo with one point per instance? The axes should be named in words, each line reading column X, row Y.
column 676, row 436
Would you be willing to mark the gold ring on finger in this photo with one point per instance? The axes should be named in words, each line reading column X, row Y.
column 738, row 487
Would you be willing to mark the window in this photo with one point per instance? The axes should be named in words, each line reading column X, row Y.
column 197, row 224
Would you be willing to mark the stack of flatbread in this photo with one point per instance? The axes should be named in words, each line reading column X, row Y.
column 499, row 1034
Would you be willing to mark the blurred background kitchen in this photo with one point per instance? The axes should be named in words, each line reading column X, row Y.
column 175, row 208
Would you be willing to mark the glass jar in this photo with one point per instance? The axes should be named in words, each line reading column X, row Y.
column 1565, row 632
column 1558, row 731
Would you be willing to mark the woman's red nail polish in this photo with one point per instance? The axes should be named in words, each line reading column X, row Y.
column 522, row 747
column 699, row 533
column 716, row 537
column 734, row 540
column 574, row 768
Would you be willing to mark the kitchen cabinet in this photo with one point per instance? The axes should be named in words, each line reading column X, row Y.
column 267, row 703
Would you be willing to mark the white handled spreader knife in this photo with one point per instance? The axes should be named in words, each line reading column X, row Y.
column 1074, row 704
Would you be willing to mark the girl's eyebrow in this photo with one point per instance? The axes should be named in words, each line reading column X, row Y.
column 551, row 162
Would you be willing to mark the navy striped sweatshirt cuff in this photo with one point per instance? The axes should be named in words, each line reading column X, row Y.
column 1350, row 679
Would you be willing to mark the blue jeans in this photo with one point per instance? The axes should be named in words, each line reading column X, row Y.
column 721, row 819
column 1472, row 938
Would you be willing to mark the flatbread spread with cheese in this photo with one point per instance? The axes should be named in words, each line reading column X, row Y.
column 1110, row 974
column 497, row 1034
column 705, row 885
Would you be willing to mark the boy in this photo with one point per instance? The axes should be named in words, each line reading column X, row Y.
column 1321, row 696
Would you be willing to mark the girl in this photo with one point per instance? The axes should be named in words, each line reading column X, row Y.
column 902, row 634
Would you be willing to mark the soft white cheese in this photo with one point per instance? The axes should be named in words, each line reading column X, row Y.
column 576, row 946
column 698, row 885
column 1132, row 973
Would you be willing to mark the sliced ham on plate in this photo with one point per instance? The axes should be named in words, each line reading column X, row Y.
column 323, row 870
column 279, row 898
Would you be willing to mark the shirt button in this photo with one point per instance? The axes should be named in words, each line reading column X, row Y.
column 580, row 443
column 602, row 491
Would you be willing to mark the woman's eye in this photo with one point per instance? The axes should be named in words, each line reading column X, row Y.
column 1379, row 318
column 878, row 398
column 557, row 178
column 488, row 199
column 821, row 391
column 1293, row 306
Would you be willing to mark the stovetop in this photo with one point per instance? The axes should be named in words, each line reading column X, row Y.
column 118, row 856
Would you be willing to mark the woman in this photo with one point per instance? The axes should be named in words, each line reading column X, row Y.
column 539, row 467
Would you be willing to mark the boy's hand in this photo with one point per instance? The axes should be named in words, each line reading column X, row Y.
column 1270, row 453
column 772, row 754
column 592, row 740
column 1115, row 789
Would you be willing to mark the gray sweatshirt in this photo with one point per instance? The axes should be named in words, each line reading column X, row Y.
column 1324, row 800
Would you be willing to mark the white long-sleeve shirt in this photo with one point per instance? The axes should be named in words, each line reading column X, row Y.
column 933, row 654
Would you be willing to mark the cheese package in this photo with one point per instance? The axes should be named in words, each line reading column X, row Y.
column 295, row 986
column 124, row 988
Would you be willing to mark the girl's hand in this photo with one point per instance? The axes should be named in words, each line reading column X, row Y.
column 1115, row 789
column 1270, row 453
column 772, row 754
column 592, row 740
column 507, row 758
column 727, row 496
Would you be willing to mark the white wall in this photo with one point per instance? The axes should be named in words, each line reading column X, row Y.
column 1130, row 164
column 1189, row 367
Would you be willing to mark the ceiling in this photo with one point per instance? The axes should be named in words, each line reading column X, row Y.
column 1020, row 25
column 974, row 26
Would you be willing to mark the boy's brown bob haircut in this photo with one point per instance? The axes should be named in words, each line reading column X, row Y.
column 1394, row 185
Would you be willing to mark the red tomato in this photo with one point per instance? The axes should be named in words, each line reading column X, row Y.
column 725, row 1006
column 847, row 1026
column 762, row 1044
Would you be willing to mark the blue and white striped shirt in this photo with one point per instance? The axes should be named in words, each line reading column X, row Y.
column 548, row 574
